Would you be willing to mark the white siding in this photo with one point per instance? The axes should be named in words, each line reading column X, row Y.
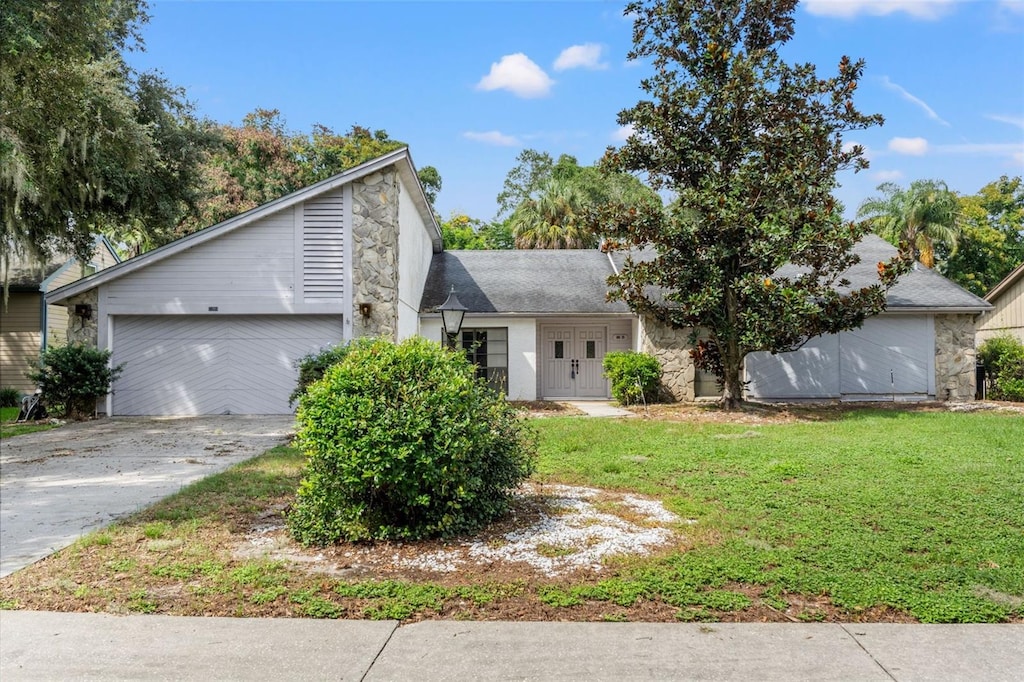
column 415, row 250
column 190, row 365
column 522, row 348
column 249, row 270
column 323, row 275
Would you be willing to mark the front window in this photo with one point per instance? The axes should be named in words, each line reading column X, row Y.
column 488, row 350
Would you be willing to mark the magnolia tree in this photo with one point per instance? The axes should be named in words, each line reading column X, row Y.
column 750, row 146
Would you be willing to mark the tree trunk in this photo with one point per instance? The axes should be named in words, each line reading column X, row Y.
column 732, row 389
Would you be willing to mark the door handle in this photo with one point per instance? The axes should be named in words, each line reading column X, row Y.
column 574, row 366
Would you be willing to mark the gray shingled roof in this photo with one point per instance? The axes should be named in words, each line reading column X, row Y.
column 919, row 288
column 522, row 281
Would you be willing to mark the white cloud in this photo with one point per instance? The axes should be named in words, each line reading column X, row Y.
column 622, row 133
column 911, row 146
column 518, row 74
column 1010, row 149
column 1015, row 6
column 1012, row 120
column 895, row 87
column 847, row 9
column 888, row 175
column 586, row 56
column 494, row 137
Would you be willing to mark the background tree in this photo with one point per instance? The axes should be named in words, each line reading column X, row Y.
column 552, row 202
column 751, row 146
column 262, row 160
column 86, row 142
column 462, row 232
column 915, row 219
column 991, row 242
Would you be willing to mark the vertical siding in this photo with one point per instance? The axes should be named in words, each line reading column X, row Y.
column 20, row 339
column 1007, row 317
column 322, row 247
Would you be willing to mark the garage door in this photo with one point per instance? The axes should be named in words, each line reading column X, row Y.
column 888, row 357
column 190, row 365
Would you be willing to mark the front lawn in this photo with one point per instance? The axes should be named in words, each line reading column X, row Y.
column 9, row 426
column 867, row 515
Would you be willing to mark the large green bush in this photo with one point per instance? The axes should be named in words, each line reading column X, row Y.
column 1003, row 357
column 73, row 378
column 313, row 366
column 634, row 376
column 402, row 441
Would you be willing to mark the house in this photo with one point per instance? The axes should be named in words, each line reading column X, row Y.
column 1007, row 315
column 27, row 325
column 215, row 322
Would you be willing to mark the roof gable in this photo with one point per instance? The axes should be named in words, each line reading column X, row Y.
column 1008, row 281
column 399, row 158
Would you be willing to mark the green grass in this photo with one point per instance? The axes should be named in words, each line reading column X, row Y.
column 9, row 427
column 920, row 512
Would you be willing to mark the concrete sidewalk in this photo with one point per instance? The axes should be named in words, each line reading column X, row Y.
column 48, row 646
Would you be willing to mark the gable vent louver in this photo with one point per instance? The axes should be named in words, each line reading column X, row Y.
column 322, row 247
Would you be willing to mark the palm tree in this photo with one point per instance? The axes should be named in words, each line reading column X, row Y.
column 553, row 219
column 916, row 218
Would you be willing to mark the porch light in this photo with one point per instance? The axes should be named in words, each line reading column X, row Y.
column 452, row 312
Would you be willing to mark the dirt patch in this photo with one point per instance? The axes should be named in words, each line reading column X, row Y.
column 787, row 413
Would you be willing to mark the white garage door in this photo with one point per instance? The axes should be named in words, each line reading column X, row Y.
column 888, row 357
column 189, row 365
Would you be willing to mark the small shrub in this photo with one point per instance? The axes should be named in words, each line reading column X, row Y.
column 10, row 397
column 73, row 377
column 1003, row 357
column 634, row 376
column 402, row 441
column 313, row 366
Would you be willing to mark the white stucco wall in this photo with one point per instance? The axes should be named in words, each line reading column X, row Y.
column 415, row 250
column 522, row 348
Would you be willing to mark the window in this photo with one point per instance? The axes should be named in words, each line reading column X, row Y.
column 559, row 350
column 591, row 350
column 488, row 350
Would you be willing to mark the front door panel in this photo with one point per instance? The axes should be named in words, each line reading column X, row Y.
column 572, row 362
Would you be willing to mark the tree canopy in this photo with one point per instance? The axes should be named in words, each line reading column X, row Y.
column 86, row 143
column 462, row 232
column 916, row 218
column 750, row 145
column 991, row 241
column 261, row 160
column 552, row 202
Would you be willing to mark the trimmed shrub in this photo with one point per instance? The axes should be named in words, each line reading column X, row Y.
column 403, row 442
column 313, row 366
column 73, row 378
column 1003, row 357
column 10, row 397
column 634, row 376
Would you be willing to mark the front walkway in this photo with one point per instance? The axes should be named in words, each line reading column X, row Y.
column 600, row 408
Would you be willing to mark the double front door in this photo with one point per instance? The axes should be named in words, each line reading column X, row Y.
column 571, row 362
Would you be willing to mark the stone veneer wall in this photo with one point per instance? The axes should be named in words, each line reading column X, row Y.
column 955, row 357
column 375, row 253
column 79, row 330
column 672, row 350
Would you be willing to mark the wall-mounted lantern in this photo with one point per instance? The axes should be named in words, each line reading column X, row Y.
column 452, row 312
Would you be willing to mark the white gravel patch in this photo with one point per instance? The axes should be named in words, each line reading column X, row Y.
column 575, row 536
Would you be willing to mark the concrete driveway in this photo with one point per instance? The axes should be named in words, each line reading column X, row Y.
column 57, row 485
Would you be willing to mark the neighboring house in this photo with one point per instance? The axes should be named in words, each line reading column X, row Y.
column 27, row 325
column 215, row 322
column 1007, row 315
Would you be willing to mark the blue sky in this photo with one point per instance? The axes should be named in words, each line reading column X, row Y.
column 470, row 84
